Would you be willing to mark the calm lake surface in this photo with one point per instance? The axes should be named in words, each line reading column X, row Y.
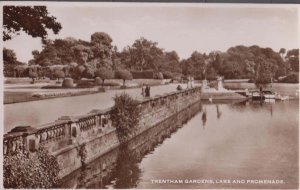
column 219, row 141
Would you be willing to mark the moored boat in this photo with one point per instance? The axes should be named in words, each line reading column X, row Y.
column 261, row 95
column 269, row 94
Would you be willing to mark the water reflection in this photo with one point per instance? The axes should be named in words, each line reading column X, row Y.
column 255, row 142
column 120, row 167
column 204, row 118
column 219, row 113
column 127, row 171
column 258, row 141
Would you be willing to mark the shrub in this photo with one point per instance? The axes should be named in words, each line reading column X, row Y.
column 89, row 73
column 85, row 84
column 159, row 76
column 168, row 75
column 142, row 74
column 251, row 80
column 68, row 83
column 123, row 74
column 111, row 84
column 98, row 81
column 51, row 87
column 83, row 153
column 179, row 87
column 30, row 170
column 125, row 115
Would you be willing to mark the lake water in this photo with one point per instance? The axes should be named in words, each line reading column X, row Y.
column 212, row 144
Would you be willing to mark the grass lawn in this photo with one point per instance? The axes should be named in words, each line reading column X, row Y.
column 14, row 97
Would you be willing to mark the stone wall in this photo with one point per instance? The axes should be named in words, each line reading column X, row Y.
column 93, row 132
column 98, row 173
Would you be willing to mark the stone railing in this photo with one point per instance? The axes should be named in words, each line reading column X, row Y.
column 69, row 130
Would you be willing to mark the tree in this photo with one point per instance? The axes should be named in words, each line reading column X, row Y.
column 159, row 76
column 82, row 53
column 263, row 75
column 293, row 59
column 21, row 71
column 102, row 48
column 9, row 56
column 124, row 74
column 211, row 73
column 217, row 63
column 59, row 74
column 33, row 75
column 168, row 62
column 143, row 53
column 104, row 73
column 35, row 21
column 282, row 51
column 10, row 62
column 33, row 72
column 35, row 54
column 188, row 69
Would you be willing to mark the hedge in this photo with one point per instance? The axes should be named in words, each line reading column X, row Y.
column 142, row 74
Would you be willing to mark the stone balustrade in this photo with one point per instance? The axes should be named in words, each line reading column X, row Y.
column 68, row 130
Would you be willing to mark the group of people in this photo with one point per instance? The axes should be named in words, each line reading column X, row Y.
column 145, row 90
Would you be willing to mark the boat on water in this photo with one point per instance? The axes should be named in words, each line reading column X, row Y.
column 269, row 94
column 261, row 95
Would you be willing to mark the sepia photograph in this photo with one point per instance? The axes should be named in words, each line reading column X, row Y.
column 102, row 95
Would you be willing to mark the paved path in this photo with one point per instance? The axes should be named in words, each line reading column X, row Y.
column 49, row 110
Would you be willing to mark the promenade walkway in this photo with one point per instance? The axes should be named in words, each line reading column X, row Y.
column 49, row 110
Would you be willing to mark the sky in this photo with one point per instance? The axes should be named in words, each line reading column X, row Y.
column 180, row 27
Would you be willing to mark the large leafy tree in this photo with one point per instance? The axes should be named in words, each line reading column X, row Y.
column 10, row 62
column 34, row 20
column 102, row 48
column 143, row 53
column 293, row 59
column 169, row 62
column 195, row 65
column 9, row 56
column 263, row 74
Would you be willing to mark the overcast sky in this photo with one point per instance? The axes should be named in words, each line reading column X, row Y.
column 183, row 28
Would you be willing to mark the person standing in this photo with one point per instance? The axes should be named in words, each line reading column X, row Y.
column 143, row 90
column 147, row 91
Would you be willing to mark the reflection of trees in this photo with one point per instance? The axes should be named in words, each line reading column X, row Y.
column 127, row 170
column 252, row 105
column 81, row 180
column 240, row 106
column 219, row 113
column 204, row 118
